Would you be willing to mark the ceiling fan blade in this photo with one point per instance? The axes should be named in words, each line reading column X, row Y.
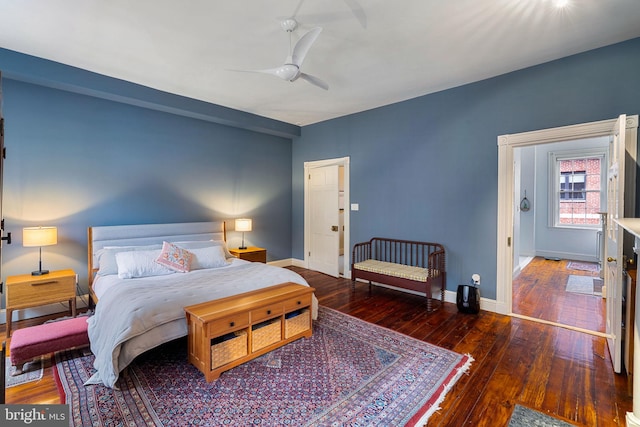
column 314, row 81
column 285, row 72
column 357, row 11
column 304, row 44
column 297, row 9
column 272, row 71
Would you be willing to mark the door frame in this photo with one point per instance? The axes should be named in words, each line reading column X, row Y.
column 506, row 202
column 341, row 161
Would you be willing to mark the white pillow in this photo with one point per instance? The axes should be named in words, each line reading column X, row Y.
column 140, row 264
column 198, row 244
column 107, row 257
column 208, row 257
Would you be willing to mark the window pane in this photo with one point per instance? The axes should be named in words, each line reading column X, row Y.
column 572, row 185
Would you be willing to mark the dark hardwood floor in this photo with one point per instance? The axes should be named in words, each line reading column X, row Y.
column 563, row 373
column 539, row 292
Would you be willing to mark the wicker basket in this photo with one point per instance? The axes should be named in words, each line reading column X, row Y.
column 228, row 348
column 265, row 333
column 297, row 322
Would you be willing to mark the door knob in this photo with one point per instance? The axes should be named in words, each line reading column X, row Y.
column 609, row 259
column 334, row 228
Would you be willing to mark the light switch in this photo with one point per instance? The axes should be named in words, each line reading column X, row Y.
column 355, row 207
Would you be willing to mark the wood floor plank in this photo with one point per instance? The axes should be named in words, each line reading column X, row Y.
column 501, row 393
column 537, row 376
column 463, row 398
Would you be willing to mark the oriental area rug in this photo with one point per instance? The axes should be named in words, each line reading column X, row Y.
column 349, row 372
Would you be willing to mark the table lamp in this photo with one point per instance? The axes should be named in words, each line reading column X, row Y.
column 39, row 236
column 243, row 224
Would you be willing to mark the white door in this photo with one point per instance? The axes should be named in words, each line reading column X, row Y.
column 613, row 277
column 2, row 234
column 324, row 245
column 2, row 344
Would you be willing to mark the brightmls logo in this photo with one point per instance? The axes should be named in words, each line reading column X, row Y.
column 35, row 415
column 27, row 416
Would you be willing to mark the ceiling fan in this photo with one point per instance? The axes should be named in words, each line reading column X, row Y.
column 290, row 70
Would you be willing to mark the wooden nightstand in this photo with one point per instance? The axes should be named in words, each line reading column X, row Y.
column 26, row 291
column 250, row 254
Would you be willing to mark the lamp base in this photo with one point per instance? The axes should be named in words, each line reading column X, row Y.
column 242, row 247
column 39, row 272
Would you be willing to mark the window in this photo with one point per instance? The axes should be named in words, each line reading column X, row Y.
column 578, row 188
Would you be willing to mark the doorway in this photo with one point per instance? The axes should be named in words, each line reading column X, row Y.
column 560, row 190
column 326, row 216
column 506, row 188
column 623, row 135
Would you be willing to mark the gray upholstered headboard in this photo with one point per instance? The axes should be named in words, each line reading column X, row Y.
column 148, row 234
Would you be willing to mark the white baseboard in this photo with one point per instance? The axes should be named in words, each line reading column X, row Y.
column 282, row 262
column 297, row 263
column 567, row 255
column 632, row 420
column 449, row 296
column 44, row 310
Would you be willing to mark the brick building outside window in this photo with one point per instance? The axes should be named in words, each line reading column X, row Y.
column 579, row 191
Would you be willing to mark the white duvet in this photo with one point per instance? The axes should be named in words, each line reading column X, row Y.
column 135, row 315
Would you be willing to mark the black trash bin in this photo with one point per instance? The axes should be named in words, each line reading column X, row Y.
column 468, row 299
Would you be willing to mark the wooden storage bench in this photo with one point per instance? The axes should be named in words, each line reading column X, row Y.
column 406, row 264
column 229, row 331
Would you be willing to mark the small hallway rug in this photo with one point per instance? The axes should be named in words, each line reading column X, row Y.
column 586, row 285
column 592, row 267
column 349, row 372
column 32, row 372
column 525, row 417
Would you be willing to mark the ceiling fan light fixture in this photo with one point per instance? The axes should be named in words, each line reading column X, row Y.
column 289, row 24
column 287, row 72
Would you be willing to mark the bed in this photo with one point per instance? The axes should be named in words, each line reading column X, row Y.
column 139, row 302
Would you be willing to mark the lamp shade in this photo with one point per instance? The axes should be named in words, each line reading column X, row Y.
column 243, row 224
column 39, row 236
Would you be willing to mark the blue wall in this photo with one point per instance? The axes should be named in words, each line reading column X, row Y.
column 426, row 169
column 76, row 160
column 85, row 149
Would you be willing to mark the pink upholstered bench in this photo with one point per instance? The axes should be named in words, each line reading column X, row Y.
column 28, row 343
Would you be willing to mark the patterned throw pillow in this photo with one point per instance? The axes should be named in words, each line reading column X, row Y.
column 175, row 257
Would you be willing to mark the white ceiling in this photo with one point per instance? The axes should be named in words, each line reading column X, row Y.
column 370, row 52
